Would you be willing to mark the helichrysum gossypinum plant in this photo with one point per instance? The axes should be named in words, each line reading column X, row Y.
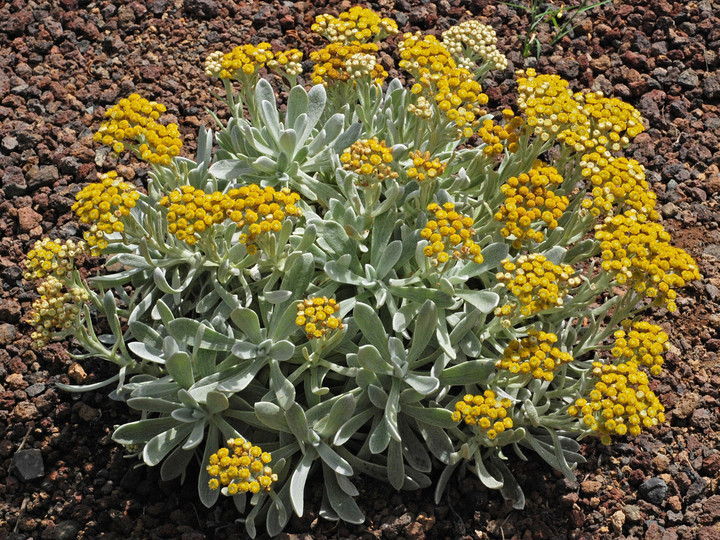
column 382, row 280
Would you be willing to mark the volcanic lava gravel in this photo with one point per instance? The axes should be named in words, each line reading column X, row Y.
column 64, row 62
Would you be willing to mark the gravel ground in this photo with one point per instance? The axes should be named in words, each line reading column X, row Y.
column 64, row 62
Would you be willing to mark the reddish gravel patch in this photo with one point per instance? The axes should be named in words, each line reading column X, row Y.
column 62, row 63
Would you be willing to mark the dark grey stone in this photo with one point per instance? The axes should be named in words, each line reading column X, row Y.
column 29, row 464
column 653, row 490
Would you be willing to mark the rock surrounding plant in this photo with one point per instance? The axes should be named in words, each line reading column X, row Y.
column 379, row 280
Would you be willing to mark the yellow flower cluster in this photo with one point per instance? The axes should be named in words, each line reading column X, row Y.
column 262, row 210
column 547, row 103
column 529, row 199
column 316, row 316
column 425, row 58
column 331, row 63
column 241, row 467
column 244, row 61
column 288, row 62
column 498, row 137
column 106, row 202
column 617, row 183
column 471, row 41
column 425, row 167
column 644, row 344
column 484, row 411
column 639, row 253
column 133, row 120
column 370, row 159
column 581, row 121
column 51, row 258
column 55, row 310
column 191, row 211
column 612, row 122
column 449, row 231
column 534, row 355
column 620, row 403
column 357, row 24
column 439, row 80
column 537, row 282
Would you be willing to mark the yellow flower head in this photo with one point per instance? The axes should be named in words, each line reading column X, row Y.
column 534, row 355
column 52, row 258
column 529, row 198
column 317, row 316
column 486, row 412
column 242, row 467
column 536, row 282
column 620, row 403
column 449, row 234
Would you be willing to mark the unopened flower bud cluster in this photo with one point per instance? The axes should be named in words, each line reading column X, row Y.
column 51, row 258
column 55, row 311
column 473, row 40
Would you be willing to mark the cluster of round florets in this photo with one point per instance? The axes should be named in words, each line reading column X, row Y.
column 638, row 252
column 527, row 199
column 262, row 210
column 133, row 121
column 459, row 96
column 471, row 41
column 424, row 166
column 643, row 343
column 498, row 137
column 55, row 310
column 425, row 58
column 620, row 403
column 331, row 63
column 484, row 411
column 287, row 62
column 537, row 283
column 613, row 122
column 534, row 355
column 191, row 211
column 450, row 235
column 547, row 103
column 357, row 24
column 106, row 202
column 241, row 62
column 241, row 467
column 316, row 316
column 51, row 258
column 245, row 61
column 421, row 108
column 370, row 159
column 618, row 183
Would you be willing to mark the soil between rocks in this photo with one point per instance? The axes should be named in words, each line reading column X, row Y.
column 64, row 62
